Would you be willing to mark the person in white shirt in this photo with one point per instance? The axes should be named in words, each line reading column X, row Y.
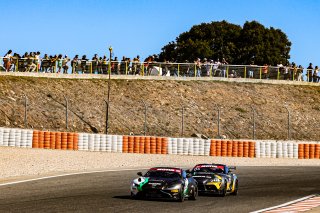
column 7, row 61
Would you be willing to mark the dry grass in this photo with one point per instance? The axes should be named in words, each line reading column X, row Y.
column 164, row 99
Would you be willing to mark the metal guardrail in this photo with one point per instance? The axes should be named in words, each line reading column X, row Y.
column 160, row 69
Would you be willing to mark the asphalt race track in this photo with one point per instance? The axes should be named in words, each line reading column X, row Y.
column 260, row 187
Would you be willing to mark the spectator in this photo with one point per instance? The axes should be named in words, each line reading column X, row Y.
column 59, row 64
column 136, row 65
column 84, row 63
column 294, row 71
column 38, row 60
column 45, row 63
column 207, row 66
column 299, row 73
column 216, row 71
column 31, row 66
column 15, row 61
column 198, row 67
column 104, row 65
column 123, row 66
column 251, row 69
column 95, row 63
column 309, row 72
column 53, row 60
column 224, row 63
column 74, row 63
column 100, row 65
column 65, row 64
column 7, row 61
column 315, row 75
column 115, row 66
column 265, row 71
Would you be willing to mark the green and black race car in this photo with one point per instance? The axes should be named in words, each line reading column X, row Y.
column 164, row 183
column 215, row 179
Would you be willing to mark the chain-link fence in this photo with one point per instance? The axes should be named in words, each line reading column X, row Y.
column 57, row 112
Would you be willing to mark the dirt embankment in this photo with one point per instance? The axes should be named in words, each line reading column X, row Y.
column 164, row 99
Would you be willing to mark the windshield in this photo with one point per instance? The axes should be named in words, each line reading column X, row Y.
column 162, row 174
column 207, row 170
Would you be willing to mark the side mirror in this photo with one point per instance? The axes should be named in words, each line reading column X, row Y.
column 233, row 168
column 139, row 173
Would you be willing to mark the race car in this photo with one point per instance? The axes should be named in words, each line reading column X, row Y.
column 215, row 179
column 164, row 183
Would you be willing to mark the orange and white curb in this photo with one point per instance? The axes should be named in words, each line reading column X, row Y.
column 300, row 205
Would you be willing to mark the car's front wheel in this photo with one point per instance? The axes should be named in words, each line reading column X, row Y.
column 223, row 193
column 235, row 192
column 194, row 193
column 181, row 196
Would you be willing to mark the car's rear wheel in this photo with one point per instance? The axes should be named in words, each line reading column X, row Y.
column 235, row 192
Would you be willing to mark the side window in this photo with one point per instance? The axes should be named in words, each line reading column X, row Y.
column 184, row 174
column 226, row 170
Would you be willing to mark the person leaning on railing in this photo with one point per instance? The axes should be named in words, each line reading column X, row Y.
column 309, row 72
column 7, row 60
column 65, row 66
column 265, row 71
column 74, row 63
column 299, row 73
column 59, row 63
column 315, row 74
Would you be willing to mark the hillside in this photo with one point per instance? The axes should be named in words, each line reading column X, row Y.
column 46, row 107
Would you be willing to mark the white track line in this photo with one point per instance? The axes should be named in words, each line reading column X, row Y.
column 285, row 204
column 68, row 174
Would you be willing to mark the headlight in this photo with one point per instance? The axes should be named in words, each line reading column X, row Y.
column 216, row 180
column 174, row 186
column 133, row 185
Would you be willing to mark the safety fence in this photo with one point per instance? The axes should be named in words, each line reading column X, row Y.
column 161, row 69
column 158, row 145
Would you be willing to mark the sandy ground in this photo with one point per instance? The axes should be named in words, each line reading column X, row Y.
column 16, row 163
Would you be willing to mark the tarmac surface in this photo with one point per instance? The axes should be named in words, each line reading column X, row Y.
column 259, row 187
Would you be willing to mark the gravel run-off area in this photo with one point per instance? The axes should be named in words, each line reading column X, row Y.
column 21, row 163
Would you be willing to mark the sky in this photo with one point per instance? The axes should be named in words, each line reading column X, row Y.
column 143, row 27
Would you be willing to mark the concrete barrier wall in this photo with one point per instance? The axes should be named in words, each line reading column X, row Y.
column 26, row 138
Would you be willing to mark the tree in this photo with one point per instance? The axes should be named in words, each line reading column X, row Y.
column 238, row 45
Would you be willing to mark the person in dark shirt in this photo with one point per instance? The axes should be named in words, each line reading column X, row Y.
column 309, row 72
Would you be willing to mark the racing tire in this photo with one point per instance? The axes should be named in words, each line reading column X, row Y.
column 194, row 194
column 181, row 196
column 224, row 191
column 235, row 192
column 135, row 197
column 132, row 196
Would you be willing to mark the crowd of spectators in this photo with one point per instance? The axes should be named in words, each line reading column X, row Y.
column 33, row 62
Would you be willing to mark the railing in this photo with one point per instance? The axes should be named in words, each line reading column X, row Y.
column 160, row 69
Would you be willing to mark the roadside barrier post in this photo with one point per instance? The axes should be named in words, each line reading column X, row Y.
column 25, row 111
column 182, row 120
column 278, row 74
column 245, row 71
column 253, row 124
column 218, row 120
column 66, row 111
column 178, row 70
column 260, row 73
column 289, row 136
column 145, row 117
